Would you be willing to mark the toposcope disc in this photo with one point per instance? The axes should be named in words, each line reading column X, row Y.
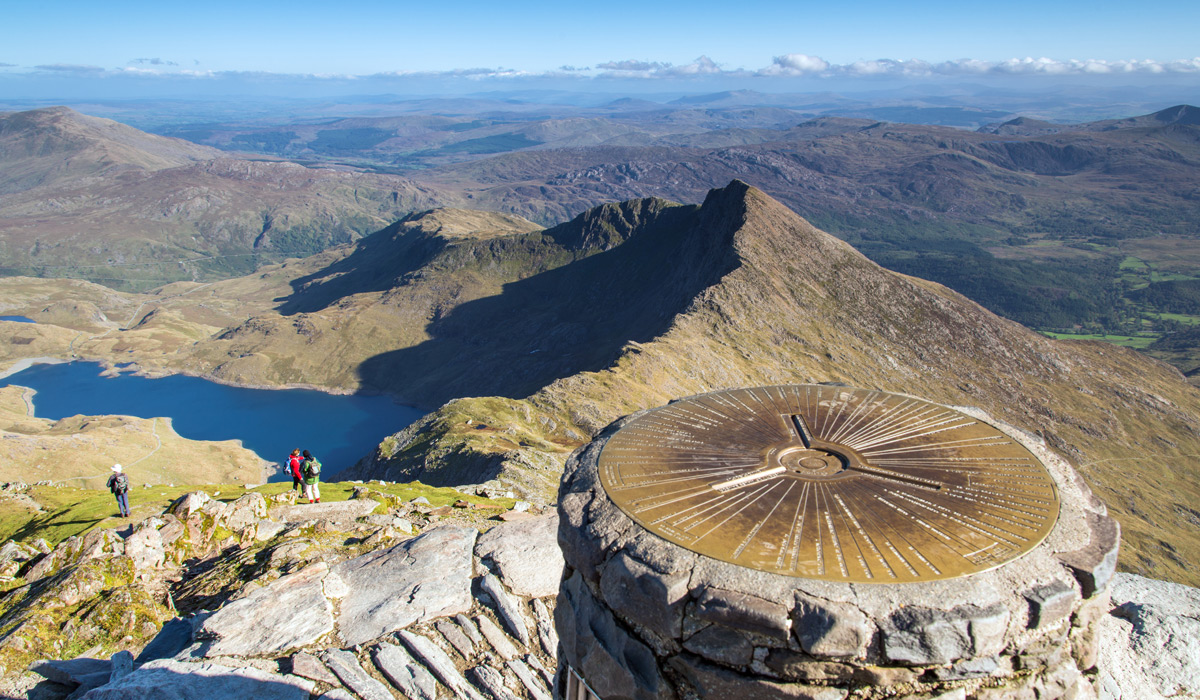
column 831, row 483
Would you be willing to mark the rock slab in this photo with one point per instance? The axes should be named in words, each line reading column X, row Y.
column 290, row 612
column 1150, row 644
column 165, row 678
column 346, row 667
column 525, row 554
column 417, row 580
column 404, row 672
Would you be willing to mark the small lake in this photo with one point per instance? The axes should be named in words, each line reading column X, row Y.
column 18, row 319
column 338, row 430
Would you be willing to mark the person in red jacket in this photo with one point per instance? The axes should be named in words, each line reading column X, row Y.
column 293, row 463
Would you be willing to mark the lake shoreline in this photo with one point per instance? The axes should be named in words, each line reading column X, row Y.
column 111, row 368
column 343, row 427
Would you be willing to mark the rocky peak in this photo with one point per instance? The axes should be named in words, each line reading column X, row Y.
column 609, row 225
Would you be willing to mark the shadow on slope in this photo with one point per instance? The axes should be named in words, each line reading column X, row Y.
column 571, row 319
column 378, row 261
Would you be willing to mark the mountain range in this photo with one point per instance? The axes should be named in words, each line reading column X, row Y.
column 91, row 198
column 1058, row 226
column 530, row 340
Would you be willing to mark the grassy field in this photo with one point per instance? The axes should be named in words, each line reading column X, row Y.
column 1128, row 341
column 72, row 511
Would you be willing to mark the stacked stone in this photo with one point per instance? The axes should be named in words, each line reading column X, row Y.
column 642, row 618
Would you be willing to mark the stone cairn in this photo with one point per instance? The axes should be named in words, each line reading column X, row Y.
column 640, row 617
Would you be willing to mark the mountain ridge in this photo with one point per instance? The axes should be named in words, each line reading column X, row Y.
column 796, row 305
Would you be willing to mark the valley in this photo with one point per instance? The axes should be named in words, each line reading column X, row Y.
column 530, row 340
column 1061, row 227
column 527, row 294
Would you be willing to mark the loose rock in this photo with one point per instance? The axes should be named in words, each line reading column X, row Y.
column 438, row 662
column 509, row 609
column 492, row 681
column 346, row 667
column 404, row 672
column 497, row 638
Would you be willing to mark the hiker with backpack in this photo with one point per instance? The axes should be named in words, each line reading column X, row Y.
column 310, row 468
column 118, row 483
column 293, row 465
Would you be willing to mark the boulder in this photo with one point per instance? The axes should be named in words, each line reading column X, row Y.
column 122, row 665
column 174, row 637
column 290, row 612
column 189, row 503
column 525, row 555
column 166, row 678
column 1148, row 644
column 71, row 671
column 145, row 547
column 246, row 511
column 417, row 580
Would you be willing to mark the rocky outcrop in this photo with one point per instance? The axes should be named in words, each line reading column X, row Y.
column 288, row 613
column 1149, row 641
column 404, row 618
column 172, row 679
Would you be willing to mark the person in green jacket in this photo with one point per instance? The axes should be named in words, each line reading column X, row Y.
column 310, row 469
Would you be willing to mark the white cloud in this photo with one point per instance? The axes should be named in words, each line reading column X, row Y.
column 631, row 65
column 786, row 66
column 152, row 62
column 70, row 68
column 796, row 64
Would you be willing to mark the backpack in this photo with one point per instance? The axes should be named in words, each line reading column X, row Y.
column 122, row 484
column 312, row 468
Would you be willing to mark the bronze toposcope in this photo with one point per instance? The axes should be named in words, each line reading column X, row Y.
column 831, row 483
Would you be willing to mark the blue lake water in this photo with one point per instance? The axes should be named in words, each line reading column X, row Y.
column 18, row 319
column 338, row 430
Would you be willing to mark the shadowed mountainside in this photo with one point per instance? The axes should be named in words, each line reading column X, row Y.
column 627, row 307
column 777, row 301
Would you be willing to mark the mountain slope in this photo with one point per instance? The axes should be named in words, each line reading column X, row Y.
column 42, row 146
column 555, row 333
column 787, row 303
column 1038, row 224
column 89, row 198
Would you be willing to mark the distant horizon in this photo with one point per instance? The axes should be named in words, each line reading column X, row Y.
column 140, row 49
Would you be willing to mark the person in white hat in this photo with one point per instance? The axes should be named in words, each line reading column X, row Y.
column 118, row 483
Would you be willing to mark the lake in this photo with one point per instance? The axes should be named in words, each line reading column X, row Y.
column 18, row 319
column 338, row 430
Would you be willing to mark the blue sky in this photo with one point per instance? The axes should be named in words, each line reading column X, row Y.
column 77, row 43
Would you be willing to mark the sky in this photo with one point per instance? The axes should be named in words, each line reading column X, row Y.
column 124, row 46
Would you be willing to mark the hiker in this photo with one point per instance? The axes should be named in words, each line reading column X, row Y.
column 293, row 464
column 118, row 483
column 311, row 469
